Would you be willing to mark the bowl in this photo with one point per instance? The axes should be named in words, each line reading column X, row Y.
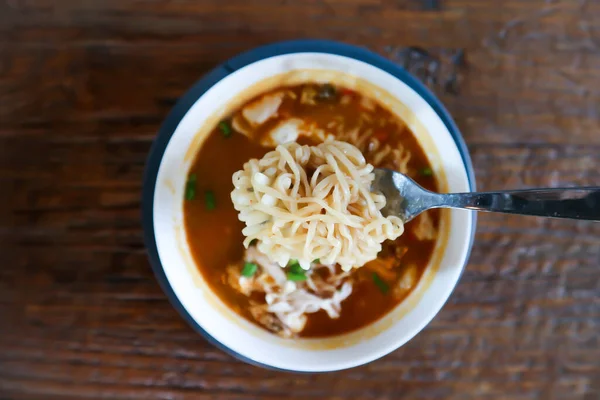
column 226, row 87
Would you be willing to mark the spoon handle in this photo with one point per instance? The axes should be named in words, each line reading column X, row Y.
column 575, row 203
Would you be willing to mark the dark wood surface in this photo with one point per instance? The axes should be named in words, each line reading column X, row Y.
column 84, row 85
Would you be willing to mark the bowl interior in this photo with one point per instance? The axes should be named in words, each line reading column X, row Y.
column 240, row 336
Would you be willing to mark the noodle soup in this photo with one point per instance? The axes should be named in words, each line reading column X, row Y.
column 333, row 301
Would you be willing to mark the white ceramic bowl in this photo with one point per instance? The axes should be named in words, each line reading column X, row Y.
column 182, row 135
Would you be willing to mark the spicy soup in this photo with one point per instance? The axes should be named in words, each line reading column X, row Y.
column 308, row 114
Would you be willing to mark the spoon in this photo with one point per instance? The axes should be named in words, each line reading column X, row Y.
column 406, row 199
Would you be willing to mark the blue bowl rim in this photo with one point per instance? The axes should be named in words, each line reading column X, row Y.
column 221, row 71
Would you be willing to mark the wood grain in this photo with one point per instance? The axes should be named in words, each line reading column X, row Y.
column 84, row 86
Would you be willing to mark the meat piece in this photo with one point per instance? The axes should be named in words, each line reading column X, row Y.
column 287, row 302
column 284, row 132
column 308, row 96
column 367, row 104
column 406, row 283
column 286, row 307
column 291, row 308
column 424, row 229
column 262, row 109
column 241, row 125
column 269, row 320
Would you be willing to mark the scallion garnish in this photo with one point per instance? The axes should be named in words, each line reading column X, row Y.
column 426, row 171
column 380, row 283
column 190, row 187
column 225, row 128
column 296, row 277
column 316, row 261
column 249, row 269
column 209, row 200
column 295, row 272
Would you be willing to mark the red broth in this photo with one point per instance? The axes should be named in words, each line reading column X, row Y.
column 214, row 232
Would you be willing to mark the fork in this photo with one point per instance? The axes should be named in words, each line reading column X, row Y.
column 406, row 199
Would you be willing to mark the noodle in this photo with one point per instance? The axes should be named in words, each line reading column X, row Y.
column 305, row 203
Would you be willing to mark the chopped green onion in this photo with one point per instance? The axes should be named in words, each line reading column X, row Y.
column 296, row 269
column 249, row 269
column 190, row 187
column 380, row 283
column 253, row 242
column 426, row 171
column 209, row 200
column 295, row 272
column 296, row 277
column 316, row 261
column 225, row 128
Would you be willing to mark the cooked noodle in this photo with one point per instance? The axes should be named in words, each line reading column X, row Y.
column 313, row 202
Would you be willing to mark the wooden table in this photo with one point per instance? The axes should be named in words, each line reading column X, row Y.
column 84, row 86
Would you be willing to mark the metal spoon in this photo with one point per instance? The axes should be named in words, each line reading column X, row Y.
column 406, row 199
